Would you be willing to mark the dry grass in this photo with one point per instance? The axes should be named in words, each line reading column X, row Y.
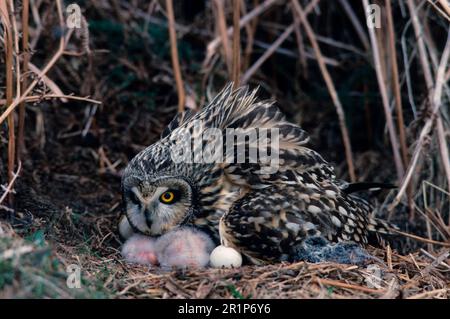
column 407, row 279
column 130, row 64
column 418, row 275
column 174, row 55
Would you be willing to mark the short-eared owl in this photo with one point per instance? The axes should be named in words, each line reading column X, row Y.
column 262, row 213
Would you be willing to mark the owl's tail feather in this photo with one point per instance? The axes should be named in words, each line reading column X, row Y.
column 380, row 230
column 382, row 227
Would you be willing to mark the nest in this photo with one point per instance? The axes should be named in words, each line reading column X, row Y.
column 410, row 276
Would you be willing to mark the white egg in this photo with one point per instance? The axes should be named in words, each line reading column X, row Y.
column 225, row 257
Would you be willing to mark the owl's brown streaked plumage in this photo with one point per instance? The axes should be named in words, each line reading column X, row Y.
column 263, row 215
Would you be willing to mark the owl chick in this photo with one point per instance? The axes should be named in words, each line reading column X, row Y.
column 262, row 210
column 140, row 249
column 181, row 248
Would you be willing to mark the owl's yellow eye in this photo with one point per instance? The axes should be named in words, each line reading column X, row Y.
column 167, row 197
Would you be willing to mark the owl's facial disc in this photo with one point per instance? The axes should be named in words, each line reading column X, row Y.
column 157, row 206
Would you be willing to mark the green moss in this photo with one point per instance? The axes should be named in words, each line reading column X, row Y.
column 40, row 274
column 6, row 273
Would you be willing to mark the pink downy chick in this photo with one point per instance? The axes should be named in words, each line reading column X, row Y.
column 140, row 249
column 184, row 247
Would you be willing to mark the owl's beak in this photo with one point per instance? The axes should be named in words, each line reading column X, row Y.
column 148, row 221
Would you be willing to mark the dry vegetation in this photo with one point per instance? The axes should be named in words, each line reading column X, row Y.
column 77, row 104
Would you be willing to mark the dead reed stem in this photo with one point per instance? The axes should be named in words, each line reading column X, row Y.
column 301, row 46
column 16, row 69
column 250, row 30
column 174, row 55
column 236, row 43
column 62, row 44
column 274, row 46
column 396, row 83
column 214, row 44
column 398, row 99
column 421, row 239
column 436, row 104
column 65, row 97
column 267, row 54
column 428, row 294
column 331, row 89
column 356, row 24
column 51, row 85
column 443, row 149
column 385, row 99
column 445, row 6
column 421, row 46
column 429, row 83
column 8, row 37
column 442, row 12
column 8, row 189
column 26, row 60
column 336, row 283
column 222, row 26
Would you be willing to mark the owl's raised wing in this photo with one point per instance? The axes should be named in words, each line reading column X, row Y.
column 240, row 111
column 243, row 112
column 179, row 120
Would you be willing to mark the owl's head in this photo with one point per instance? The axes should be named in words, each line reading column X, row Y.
column 157, row 204
column 160, row 194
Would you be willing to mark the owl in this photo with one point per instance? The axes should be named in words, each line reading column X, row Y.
column 261, row 209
